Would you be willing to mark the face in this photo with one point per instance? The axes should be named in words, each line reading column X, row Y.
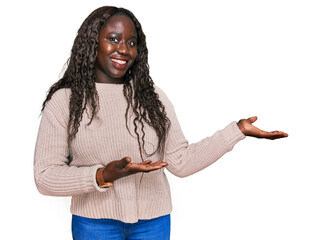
column 117, row 49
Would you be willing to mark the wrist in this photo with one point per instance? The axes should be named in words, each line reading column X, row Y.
column 241, row 127
column 107, row 175
column 100, row 179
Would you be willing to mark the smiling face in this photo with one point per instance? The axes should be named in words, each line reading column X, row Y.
column 117, row 49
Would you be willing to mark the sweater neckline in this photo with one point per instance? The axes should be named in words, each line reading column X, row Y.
column 109, row 86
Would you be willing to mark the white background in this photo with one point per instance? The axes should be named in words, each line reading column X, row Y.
column 218, row 61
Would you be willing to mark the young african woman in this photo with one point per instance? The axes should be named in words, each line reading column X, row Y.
column 107, row 133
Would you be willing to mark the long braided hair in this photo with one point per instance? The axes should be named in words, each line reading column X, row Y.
column 138, row 87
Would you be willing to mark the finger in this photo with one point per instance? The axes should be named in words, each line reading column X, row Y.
column 146, row 162
column 160, row 162
column 252, row 119
column 123, row 162
column 279, row 134
column 150, row 168
column 276, row 135
column 135, row 167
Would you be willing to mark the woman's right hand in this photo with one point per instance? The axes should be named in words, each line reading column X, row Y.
column 122, row 168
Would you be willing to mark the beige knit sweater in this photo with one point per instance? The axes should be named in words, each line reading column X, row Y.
column 107, row 139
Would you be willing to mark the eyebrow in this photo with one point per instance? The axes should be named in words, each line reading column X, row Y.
column 117, row 34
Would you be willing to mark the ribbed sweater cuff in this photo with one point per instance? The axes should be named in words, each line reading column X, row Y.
column 232, row 134
column 94, row 169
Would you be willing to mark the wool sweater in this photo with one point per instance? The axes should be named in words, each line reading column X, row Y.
column 138, row 196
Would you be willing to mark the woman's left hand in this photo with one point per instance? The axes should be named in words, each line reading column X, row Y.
column 245, row 125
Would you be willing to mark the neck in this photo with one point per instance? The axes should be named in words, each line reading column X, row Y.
column 103, row 78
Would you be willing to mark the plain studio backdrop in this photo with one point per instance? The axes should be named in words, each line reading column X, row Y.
column 218, row 61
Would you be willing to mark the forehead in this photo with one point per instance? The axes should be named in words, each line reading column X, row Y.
column 119, row 24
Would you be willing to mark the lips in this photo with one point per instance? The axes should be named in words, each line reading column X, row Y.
column 119, row 63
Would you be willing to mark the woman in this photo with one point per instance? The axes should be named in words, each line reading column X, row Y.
column 107, row 133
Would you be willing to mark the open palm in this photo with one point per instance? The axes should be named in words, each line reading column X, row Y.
column 245, row 125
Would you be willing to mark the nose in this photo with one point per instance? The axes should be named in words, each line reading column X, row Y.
column 122, row 48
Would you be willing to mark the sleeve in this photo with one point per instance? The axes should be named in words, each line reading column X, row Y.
column 185, row 159
column 53, row 176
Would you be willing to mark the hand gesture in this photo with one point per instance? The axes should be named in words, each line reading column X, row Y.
column 122, row 168
column 245, row 125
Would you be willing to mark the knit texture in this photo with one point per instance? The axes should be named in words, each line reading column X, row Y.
column 139, row 196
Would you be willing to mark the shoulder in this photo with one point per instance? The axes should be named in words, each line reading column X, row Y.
column 162, row 96
column 59, row 102
column 169, row 107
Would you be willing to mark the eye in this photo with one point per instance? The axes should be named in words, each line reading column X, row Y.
column 132, row 43
column 113, row 40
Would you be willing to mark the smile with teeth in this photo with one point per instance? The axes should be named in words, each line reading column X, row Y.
column 118, row 61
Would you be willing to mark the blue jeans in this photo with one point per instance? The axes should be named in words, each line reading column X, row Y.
column 110, row 229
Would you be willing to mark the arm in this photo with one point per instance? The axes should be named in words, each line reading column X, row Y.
column 186, row 159
column 53, row 176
